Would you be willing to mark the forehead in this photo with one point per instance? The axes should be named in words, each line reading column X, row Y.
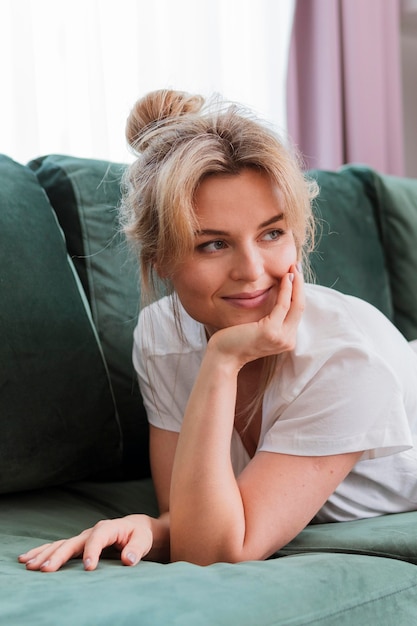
column 224, row 196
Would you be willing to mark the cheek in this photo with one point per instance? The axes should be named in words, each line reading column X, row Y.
column 190, row 283
column 286, row 257
column 194, row 295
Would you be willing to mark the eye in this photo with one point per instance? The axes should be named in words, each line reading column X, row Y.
column 212, row 246
column 273, row 235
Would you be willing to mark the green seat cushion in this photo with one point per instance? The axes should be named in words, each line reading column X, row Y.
column 349, row 255
column 85, row 194
column 55, row 395
column 331, row 574
column 307, row 589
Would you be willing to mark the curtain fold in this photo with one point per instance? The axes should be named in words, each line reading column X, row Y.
column 344, row 90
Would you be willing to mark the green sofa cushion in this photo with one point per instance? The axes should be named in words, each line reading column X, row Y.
column 85, row 194
column 395, row 201
column 307, row 589
column 344, row 579
column 399, row 219
column 349, row 255
column 390, row 536
column 55, row 394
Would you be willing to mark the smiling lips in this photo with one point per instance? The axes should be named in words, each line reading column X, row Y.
column 249, row 300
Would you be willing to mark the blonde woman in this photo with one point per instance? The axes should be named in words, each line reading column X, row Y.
column 271, row 403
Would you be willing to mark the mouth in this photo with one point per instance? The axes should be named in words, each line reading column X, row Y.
column 248, row 300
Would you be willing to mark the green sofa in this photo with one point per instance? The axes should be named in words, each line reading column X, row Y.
column 74, row 443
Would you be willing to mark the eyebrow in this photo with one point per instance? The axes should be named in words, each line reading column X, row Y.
column 212, row 231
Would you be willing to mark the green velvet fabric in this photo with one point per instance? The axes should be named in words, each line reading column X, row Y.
column 85, row 194
column 313, row 589
column 348, row 254
column 390, row 536
column 395, row 202
column 55, row 394
column 399, row 217
column 323, row 582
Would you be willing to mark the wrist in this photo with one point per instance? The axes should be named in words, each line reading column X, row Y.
column 159, row 527
column 222, row 357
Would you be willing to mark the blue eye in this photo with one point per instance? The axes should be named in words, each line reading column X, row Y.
column 212, row 246
column 275, row 234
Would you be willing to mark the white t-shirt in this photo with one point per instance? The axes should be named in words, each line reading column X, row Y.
column 349, row 385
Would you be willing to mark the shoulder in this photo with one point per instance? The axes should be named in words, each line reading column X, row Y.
column 348, row 385
column 164, row 328
column 331, row 304
column 335, row 316
column 342, row 337
column 346, row 340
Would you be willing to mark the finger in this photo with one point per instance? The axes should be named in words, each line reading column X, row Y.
column 298, row 279
column 284, row 298
column 30, row 554
column 137, row 548
column 104, row 534
column 297, row 304
column 288, row 310
column 52, row 557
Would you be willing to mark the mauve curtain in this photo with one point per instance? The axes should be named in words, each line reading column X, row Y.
column 344, row 98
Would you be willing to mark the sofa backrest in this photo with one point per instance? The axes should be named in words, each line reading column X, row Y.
column 85, row 194
column 348, row 255
column 368, row 244
column 58, row 418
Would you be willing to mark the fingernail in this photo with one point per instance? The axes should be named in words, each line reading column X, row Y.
column 299, row 267
column 131, row 558
column 87, row 563
column 45, row 564
column 29, row 562
column 291, row 277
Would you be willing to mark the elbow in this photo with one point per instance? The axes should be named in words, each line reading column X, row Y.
column 198, row 555
column 204, row 558
column 205, row 547
column 203, row 553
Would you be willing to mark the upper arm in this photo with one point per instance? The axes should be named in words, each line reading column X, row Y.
column 281, row 493
column 162, row 444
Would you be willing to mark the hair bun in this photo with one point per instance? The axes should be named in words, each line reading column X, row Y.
column 157, row 106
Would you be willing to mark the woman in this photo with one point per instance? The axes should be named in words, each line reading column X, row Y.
column 271, row 403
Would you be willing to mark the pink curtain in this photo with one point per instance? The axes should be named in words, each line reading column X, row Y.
column 344, row 102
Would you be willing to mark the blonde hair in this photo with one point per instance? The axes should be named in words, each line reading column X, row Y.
column 179, row 139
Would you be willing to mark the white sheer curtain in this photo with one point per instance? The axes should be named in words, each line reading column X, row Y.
column 70, row 71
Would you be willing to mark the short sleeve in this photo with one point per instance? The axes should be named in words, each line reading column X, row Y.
column 353, row 402
column 166, row 366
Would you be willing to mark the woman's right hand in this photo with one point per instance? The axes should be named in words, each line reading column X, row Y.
column 272, row 334
column 132, row 535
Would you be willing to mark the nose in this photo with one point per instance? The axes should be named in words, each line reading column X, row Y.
column 247, row 264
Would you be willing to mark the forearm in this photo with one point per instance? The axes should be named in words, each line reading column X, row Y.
column 206, row 509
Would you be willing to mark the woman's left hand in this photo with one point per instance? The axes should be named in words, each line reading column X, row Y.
column 131, row 535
